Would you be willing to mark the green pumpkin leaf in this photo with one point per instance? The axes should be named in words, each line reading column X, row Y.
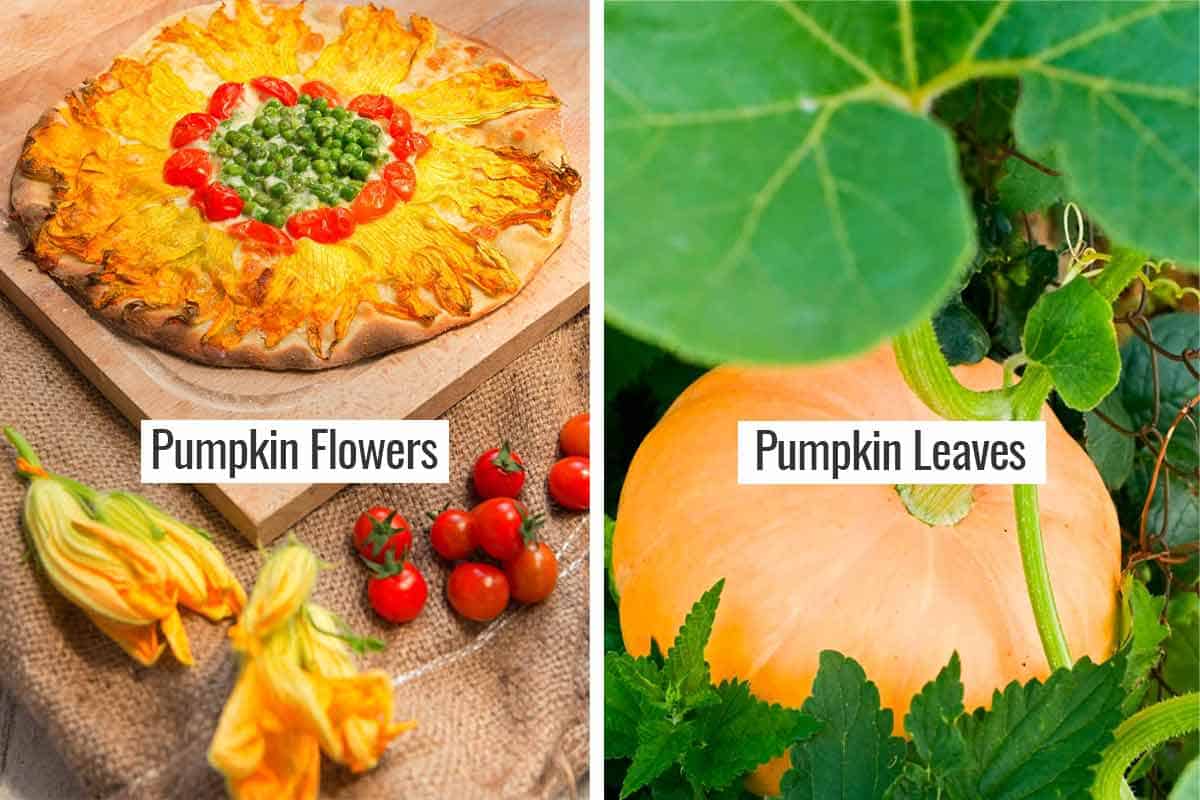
column 1110, row 449
column 1144, row 634
column 1176, row 333
column 931, row 714
column 1024, row 187
column 769, row 166
column 1188, row 785
column 1070, row 333
column 685, row 670
column 854, row 756
column 739, row 733
column 661, row 743
column 1043, row 739
column 1173, row 494
column 632, row 686
column 1181, row 661
column 961, row 335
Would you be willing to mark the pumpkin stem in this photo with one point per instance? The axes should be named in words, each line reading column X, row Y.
column 937, row 505
column 1142, row 732
column 1037, row 577
column 927, row 373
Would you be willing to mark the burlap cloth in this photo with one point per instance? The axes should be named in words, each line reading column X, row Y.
column 501, row 708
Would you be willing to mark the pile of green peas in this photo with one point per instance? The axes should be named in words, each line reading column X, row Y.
column 293, row 159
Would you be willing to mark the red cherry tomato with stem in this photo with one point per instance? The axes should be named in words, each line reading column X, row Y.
column 401, row 178
column 453, row 534
column 260, row 234
column 381, row 533
column 218, row 202
column 187, row 167
column 575, row 436
column 499, row 472
column 503, row 526
column 570, row 482
column 372, row 106
column 191, row 127
column 477, row 591
column 281, row 90
column 397, row 589
column 323, row 90
column 375, row 200
column 532, row 574
column 324, row 225
column 225, row 99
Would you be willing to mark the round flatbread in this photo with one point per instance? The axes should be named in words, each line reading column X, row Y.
column 387, row 181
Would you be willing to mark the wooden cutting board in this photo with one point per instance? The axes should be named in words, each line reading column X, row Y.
column 50, row 48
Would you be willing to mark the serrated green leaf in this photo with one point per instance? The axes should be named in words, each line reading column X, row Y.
column 1181, row 661
column 931, row 716
column 1043, row 740
column 1070, row 333
column 854, row 756
column 685, row 669
column 1027, row 188
column 660, row 743
column 1143, row 634
column 1176, row 333
column 671, row 785
column 1111, row 450
column 1188, row 785
column 960, row 334
column 915, row 782
column 631, row 686
column 739, row 733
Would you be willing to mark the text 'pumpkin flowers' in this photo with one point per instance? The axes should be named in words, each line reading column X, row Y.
column 126, row 563
column 298, row 692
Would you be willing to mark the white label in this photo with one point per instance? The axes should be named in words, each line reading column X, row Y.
column 295, row 451
column 858, row 452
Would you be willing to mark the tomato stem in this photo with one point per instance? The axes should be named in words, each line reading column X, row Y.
column 920, row 359
column 1142, row 732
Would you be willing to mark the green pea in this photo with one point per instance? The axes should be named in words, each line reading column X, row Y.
column 343, row 131
column 246, row 193
column 361, row 123
column 306, row 135
column 270, row 130
column 299, row 163
column 273, row 103
column 261, row 167
column 260, row 213
column 353, row 149
column 320, row 104
column 242, row 159
column 370, row 154
column 360, row 170
column 304, row 99
column 324, row 154
column 278, row 190
column 312, row 148
column 322, row 167
column 233, row 168
column 225, row 151
column 344, row 164
column 259, row 123
column 237, row 138
column 365, row 140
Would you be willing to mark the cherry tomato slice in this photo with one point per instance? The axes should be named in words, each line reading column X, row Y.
column 191, row 127
column 575, row 435
column 532, row 574
column 187, row 167
column 218, row 202
column 372, row 106
column 398, row 597
column 401, row 178
column 409, row 144
column 263, row 235
column 281, row 90
column 477, row 591
column 224, row 99
column 322, row 90
column 375, row 200
column 401, row 122
column 324, row 225
column 570, row 480
column 453, row 534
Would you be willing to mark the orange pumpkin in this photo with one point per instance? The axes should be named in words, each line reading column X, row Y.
column 809, row 568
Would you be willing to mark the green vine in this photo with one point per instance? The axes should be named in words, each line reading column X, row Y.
column 1143, row 731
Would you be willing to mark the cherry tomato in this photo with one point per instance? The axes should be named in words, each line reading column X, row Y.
column 322, row 90
column 381, row 533
column 372, row 106
column 499, row 472
column 402, row 179
column 409, row 144
column 224, row 99
column 218, row 201
column 477, row 591
column 503, row 525
column 575, row 435
column 281, row 90
column 191, row 127
column 453, row 534
column 375, row 200
column 397, row 590
column 266, row 236
column 324, row 225
column 532, row 574
column 401, row 122
column 570, row 479
column 187, row 167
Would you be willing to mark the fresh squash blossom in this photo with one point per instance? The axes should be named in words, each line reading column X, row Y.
column 298, row 693
column 125, row 563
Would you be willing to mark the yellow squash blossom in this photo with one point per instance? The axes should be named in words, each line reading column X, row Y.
column 125, row 563
column 298, row 691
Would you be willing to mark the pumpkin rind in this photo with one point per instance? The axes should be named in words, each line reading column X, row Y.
column 809, row 568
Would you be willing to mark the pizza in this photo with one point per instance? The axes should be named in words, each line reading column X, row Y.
column 296, row 187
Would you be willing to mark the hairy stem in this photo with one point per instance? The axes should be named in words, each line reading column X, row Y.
column 1145, row 730
column 928, row 375
column 1037, row 577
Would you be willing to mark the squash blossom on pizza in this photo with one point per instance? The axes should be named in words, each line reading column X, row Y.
column 296, row 187
column 298, row 692
column 127, row 564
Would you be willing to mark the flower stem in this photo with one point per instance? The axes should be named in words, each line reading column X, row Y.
column 1145, row 730
column 23, row 448
column 925, row 370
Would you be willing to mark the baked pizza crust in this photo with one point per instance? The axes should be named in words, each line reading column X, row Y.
column 371, row 332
